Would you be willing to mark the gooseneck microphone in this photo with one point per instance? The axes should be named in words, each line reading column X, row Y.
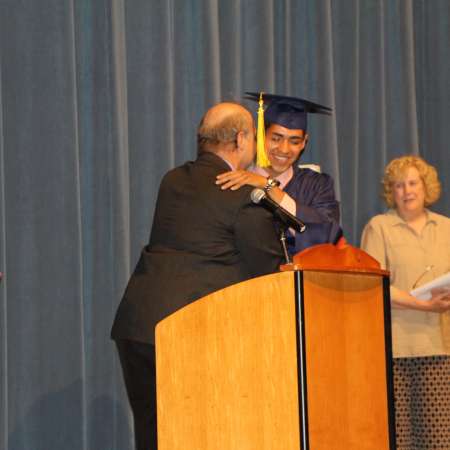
column 285, row 217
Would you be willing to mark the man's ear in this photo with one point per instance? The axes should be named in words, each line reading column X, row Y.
column 240, row 136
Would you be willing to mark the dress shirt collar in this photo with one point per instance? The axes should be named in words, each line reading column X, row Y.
column 397, row 220
column 216, row 159
column 227, row 162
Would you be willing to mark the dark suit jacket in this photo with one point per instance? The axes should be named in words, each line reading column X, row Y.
column 203, row 239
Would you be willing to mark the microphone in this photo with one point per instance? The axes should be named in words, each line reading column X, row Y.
column 284, row 216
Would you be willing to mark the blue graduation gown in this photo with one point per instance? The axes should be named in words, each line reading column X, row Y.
column 317, row 207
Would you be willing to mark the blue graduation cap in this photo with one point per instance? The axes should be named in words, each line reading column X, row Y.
column 289, row 112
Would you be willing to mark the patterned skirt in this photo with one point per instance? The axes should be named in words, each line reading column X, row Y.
column 422, row 402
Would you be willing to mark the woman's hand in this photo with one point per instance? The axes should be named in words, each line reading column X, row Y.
column 235, row 179
column 439, row 301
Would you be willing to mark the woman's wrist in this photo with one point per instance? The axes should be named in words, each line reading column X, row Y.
column 420, row 305
column 404, row 300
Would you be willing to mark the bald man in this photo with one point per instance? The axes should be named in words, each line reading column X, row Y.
column 203, row 239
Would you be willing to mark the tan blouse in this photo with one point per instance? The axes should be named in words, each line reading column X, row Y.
column 406, row 254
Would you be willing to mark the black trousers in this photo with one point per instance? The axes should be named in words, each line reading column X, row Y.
column 139, row 372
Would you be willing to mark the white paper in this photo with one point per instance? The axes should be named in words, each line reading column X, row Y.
column 424, row 292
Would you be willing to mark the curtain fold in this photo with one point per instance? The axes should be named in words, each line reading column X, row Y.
column 98, row 99
column 4, row 398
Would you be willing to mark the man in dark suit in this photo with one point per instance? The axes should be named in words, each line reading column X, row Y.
column 203, row 239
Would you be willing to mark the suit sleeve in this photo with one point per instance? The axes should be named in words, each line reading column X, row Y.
column 257, row 240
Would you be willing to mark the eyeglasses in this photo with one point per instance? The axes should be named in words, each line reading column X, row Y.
column 427, row 269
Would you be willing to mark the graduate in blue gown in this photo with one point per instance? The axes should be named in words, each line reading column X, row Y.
column 306, row 193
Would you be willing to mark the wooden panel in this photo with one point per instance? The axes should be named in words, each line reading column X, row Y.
column 227, row 370
column 345, row 361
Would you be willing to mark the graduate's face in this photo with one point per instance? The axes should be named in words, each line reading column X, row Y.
column 409, row 192
column 283, row 147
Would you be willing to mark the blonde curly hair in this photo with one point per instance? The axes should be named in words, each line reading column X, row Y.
column 396, row 170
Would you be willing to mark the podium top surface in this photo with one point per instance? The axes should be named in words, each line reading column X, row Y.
column 333, row 258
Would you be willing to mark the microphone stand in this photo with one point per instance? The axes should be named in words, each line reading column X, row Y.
column 283, row 244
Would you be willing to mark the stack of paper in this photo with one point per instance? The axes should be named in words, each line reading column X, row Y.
column 424, row 292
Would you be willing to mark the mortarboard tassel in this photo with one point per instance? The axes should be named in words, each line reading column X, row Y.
column 261, row 156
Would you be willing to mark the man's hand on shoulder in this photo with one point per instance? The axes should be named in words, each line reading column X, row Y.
column 235, row 179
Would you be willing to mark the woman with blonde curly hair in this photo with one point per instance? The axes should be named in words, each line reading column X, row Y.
column 413, row 243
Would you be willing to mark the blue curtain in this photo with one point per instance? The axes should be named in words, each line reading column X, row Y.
column 98, row 98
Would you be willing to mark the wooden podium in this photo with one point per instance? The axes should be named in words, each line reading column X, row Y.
column 294, row 360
